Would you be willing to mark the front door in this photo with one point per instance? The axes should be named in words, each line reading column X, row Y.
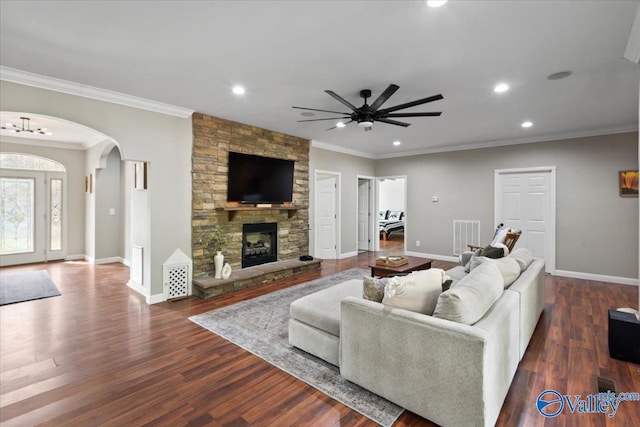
column 31, row 216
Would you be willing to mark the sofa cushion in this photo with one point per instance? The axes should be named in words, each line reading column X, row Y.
column 523, row 256
column 509, row 267
column 373, row 288
column 469, row 299
column 417, row 292
column 322, row 309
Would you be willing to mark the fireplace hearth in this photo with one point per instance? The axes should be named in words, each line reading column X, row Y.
column 259, row 243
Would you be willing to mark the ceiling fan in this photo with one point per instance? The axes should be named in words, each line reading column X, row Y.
column 367, row 114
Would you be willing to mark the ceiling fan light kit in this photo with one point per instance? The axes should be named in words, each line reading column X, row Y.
column 366, row 115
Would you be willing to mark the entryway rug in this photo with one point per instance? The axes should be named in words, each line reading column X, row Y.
column 26, row 286
column 260, row 326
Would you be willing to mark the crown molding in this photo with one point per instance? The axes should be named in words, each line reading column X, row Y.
column 517, row 141
column 36, row 80
column 338, row 149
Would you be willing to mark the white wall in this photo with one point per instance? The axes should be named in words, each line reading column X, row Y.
column 391, row 194
column 350, row 167
column 597, row 230
column 164, row 141
column 73, row 162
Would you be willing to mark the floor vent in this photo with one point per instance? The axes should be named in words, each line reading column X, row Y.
column 465, row 232
column 603, row 385
column 177, row 276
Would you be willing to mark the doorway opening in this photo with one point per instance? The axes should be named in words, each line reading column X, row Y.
column 392, row 215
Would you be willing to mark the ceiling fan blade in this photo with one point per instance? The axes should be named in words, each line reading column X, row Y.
column 435, row 114
column 337, row 126
column 318, row 120
column 393, row 122
column 384, row 96
column 412, row 104
column 324, row 111
column 341, row 99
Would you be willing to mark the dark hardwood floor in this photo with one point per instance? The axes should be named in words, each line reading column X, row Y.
column 99, row 355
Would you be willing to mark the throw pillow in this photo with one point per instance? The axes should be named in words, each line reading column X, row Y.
column 417, row 292
column 509, row 268
column 373, row 289
column 394, row 215
column 493, row 252
column 446, row 285
column 469, row 299
column 523, row 256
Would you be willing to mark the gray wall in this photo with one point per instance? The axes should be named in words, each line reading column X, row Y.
column 350, row 167
column 597, row 230
column 73, row 161
column 108, row 227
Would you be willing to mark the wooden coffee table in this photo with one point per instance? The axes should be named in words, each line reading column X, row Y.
column 414, row 264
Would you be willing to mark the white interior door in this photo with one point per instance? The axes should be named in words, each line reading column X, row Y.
column 31, row 217
column 364, row 214
column 526, row 200
column 326, row 216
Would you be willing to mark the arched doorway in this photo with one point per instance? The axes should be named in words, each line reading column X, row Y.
column 32, row 209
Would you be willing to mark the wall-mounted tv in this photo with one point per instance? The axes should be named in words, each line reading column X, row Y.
column 257, row 179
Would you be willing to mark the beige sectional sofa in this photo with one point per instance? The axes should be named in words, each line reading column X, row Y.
column 451, row 373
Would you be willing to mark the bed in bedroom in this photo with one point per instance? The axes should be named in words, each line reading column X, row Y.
column 391, row 222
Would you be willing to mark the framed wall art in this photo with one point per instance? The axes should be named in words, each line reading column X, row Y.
column 140, row 180
column 628, row 183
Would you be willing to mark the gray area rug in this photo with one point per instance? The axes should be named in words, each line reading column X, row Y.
column 27, row 286
column 260, row 326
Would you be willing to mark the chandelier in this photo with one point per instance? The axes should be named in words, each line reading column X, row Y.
column 25, row 127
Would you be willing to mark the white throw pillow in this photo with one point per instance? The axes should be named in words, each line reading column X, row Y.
column 523, row 256
column 417, row 292
column 468, row 300
column 509, row 267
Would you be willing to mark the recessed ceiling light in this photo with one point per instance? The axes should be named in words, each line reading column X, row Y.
column 238, row 90
column 340, row 125
column 307, row 114
column 396, row 143
column 526, row 124
column 435, row 3
column 501, row 87
column 559, row 75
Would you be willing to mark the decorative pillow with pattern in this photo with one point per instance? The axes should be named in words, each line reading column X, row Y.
column 383, row 214
column 373, row 288
column 394, row 215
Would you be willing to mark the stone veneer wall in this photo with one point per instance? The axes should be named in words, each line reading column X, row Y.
column 213, row 138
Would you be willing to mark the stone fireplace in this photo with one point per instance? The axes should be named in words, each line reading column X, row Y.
column 213, row 139
column 259, row 243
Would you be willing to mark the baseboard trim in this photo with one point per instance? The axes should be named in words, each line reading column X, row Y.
column 433, row 256
column 76, row 257
column 108, row 260
column 155, row 299
column 138, row 288
column 597, row 277
column 348, row 255
column 126, row 262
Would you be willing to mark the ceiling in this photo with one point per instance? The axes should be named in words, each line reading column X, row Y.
column 64, row 134
column 191, row 53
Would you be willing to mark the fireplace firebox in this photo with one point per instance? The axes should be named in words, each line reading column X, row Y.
column 259, row 243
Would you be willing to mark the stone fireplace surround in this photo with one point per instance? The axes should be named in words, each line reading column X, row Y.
column 213, row 138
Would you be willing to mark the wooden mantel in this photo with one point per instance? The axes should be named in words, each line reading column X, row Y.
column 233, row 210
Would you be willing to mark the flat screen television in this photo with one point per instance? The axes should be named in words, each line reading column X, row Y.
column 257, row 179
